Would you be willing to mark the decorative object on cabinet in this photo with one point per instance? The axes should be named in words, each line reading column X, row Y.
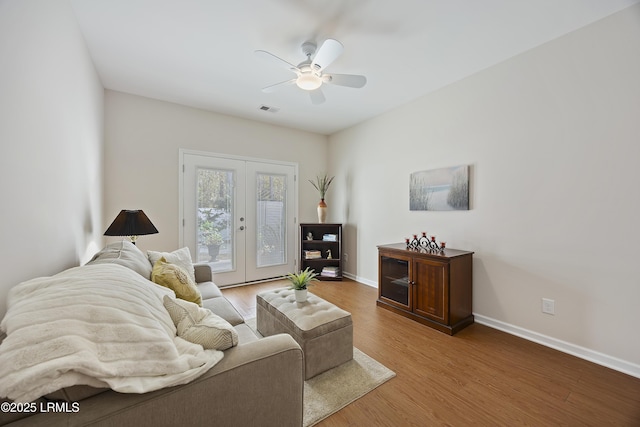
column 433, row 288
column 322, row 184
column 424, row 243
column 131, row 223
column 444, row 189
column 319, row 254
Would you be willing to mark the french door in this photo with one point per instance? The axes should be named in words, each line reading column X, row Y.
column 238, row 215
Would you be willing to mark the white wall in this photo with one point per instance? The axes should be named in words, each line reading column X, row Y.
column 143, row 138
column 552, row 137
column 51, row 133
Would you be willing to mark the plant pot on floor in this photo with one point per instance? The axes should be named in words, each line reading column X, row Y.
column 214, row 250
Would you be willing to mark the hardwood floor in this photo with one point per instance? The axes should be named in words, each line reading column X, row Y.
column 480, row 376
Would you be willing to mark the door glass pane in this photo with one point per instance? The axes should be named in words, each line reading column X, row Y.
column 271, row 219
column 215, row 218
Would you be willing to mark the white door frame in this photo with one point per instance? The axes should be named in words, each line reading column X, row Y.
column 181, row 168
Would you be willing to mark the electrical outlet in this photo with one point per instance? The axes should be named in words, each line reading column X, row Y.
column 346, row 257
column 548, row 306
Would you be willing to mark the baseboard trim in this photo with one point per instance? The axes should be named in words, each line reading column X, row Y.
column 563, row 346
column 360, row 279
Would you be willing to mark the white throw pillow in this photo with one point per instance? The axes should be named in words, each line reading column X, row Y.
column 200, row 326
column 126, row 254
column 180, row 257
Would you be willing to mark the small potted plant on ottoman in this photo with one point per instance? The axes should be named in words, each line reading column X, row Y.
column 300, row 281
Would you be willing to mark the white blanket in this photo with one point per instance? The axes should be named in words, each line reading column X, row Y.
column 99, row 325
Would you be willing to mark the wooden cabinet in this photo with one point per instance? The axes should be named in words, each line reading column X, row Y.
column 432, row 288
column 321, row 250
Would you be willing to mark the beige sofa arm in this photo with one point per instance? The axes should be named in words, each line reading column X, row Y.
column 261, row 381
column 203, row 273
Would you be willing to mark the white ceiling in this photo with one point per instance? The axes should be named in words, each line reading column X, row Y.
column 200, row 53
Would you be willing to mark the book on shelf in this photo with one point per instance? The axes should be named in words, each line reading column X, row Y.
column 330, row 237
column 311, row 254
column 329, row 271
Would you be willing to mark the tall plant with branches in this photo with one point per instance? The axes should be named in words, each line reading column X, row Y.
column 322, row 184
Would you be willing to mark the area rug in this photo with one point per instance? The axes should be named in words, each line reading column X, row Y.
column 327, row 393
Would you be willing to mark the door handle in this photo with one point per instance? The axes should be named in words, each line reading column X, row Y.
column 241, row 227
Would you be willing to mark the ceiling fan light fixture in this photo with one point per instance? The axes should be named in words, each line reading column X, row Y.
column 308, row 81
column 310, row 73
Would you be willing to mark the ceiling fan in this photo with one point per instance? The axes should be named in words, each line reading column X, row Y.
column 310, row 73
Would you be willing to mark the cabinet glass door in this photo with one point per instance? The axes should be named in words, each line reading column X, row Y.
column 394, row 280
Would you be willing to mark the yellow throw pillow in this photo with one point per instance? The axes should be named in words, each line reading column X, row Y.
column 177, row 279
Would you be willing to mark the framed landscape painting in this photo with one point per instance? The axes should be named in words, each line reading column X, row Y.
column 445, row 189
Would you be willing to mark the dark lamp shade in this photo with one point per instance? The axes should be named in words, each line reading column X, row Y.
column 131, row 223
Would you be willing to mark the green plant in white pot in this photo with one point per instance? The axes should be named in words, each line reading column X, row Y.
column 301, row 281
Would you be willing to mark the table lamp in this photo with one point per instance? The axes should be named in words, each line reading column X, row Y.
column 131, row 223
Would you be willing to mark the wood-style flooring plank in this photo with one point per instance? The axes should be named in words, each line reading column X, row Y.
column 480, row 376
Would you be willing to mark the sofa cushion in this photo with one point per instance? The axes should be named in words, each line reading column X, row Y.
column 75, row 393
column 245, row 334
column 126, row 254
column 209, row 290
column 175, row 278
column 200, row 326
column 223, row 308
column 180, row 257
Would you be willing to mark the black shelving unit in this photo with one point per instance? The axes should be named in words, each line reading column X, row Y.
column 312, row 238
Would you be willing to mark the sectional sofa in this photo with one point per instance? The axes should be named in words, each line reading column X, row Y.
column 258, row 381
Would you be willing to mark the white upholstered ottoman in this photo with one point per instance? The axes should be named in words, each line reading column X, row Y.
column 324, row 331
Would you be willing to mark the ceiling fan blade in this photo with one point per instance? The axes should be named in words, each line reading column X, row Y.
column 273, row 88
column 329, row 51
column 349, row 80
column 276, row 60
column 317, row 97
